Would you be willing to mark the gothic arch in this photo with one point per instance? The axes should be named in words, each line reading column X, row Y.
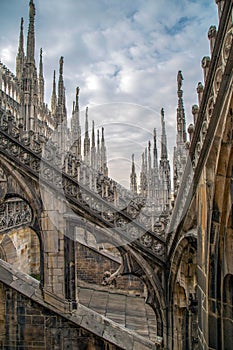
column 20, row 247
column 182, row 310
column 9, row 250
column 27, row 192
column 135, row 264
column 227, row 322
column 2, row 253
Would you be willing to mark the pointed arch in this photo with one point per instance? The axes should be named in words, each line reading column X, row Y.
column 9, row 250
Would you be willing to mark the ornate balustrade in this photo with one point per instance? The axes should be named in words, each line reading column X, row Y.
column 218, row 79
column 14, row 212
column 42, row 160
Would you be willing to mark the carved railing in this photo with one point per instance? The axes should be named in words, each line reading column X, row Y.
column 42, row 160
column 9, row 83
column 14, row 213
column 8, row 103
column 218, row 77
column 136, row 206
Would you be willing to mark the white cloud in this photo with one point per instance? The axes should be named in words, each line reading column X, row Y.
column 128, row 52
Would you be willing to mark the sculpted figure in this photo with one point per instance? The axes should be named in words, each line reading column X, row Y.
column 179, row 79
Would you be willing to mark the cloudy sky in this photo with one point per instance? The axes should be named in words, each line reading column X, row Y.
column 124, row 55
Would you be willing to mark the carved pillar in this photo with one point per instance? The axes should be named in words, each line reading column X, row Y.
column 70, row 265
column 52, row 225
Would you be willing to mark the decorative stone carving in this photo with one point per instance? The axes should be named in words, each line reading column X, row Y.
column 205, row 63
column 212, row 36
column 203, row 131
column 190, row 131
column 227, row 45
column 220, row 4
column 217, row 80
column 3, row 184
column 130, row 217
column 146, row 240
column 200, row 89
column 13, row 213
column 210, row 107
column 195, row 110
column 108, row 280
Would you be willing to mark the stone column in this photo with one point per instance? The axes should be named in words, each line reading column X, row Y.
column 71, row 287
column 53, row 229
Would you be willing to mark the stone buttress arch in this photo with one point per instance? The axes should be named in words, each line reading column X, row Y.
column 182, row 299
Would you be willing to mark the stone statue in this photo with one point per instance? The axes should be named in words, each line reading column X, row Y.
column 179, row 79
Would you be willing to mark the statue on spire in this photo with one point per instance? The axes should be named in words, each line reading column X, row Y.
column 179, row 79
column 133, row 177
column 21, row 25
column 32, row 10
column 61, row 62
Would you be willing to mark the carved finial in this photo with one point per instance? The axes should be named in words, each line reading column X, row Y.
column 200, row 89
column 164, row 137
column 41, row 80
column 21, row 25
column 77, row 100
column 31, row 34
column 190, row 131
column 195, row 110
column 133, row 177
column 86, row 140
column 86, row 121
column 181, row 122
column 20, row 56
column 61, row 62
column 162, row 112
column 212, row 33
column 205, row 63
column 155, row 161
column 41, row 63
column 54, row 97
column 93, row 134
column 21, row 50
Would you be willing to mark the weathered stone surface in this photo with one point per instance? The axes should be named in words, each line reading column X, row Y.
column 184, row 259
column 26, row 289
